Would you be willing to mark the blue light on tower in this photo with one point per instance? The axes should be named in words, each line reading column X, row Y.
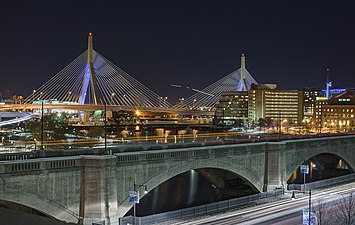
column 328, row 85
column 85, row 85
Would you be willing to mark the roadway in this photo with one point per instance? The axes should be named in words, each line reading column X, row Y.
column 287, row 211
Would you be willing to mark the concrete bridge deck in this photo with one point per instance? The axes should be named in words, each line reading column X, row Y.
column 88, row 189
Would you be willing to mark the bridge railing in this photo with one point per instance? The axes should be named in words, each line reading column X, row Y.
column 72, row 149
column 322, row 183
column 202, row 210
column 37, row 165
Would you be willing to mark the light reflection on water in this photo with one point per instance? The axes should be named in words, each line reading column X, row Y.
column 185, row 190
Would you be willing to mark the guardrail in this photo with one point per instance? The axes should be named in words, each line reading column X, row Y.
column 137, row 147
column 202, row 210
column 322, row 183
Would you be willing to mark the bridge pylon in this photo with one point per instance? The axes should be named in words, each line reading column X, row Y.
column 90, row 77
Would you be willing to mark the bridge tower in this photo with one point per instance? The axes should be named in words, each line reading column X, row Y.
column 90, row 77
column 242, row 85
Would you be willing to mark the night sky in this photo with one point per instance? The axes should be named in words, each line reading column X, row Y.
column 193, row 43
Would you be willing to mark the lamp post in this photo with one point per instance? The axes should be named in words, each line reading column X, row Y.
column 135, row 187
column 309, row 207
column 165, row 101
column 42, row 134
column 280, row 131
column 223, row 119
column 112, row 96
column 105, row 126
column 33, row 95
column 69, row 93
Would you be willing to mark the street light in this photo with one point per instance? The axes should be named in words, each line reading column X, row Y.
column 135, row 187
column 105, row 125
column 33, row 95
column 165, row 101
column 69, row 93
column 112, row 96
column 223, row 119
column 309, row 207
column 42, row 125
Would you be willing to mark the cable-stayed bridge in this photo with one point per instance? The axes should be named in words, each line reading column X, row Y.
column 91, row 81
column 238, row 80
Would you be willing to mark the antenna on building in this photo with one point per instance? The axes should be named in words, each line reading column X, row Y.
column 327, row 85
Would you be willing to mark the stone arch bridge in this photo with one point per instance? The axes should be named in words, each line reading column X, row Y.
column 87, row 189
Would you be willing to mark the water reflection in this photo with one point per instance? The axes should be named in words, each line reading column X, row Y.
column 185, row 190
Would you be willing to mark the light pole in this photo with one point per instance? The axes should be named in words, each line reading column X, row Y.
column 280, row 131
column 135, row 187
column 112, row 96
column 304, row 168
column 309, row 207
column 105, row 127
column 42, row 134
column 223, row 119
column 69, row 93
column 33, row 95
column 165, row 101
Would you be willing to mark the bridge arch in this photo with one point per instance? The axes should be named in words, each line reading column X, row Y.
column 344, row 152
column 185, row 166
column 42, row 205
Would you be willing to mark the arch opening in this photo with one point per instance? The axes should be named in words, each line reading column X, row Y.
column 322, row 166
column 22, row 208
column 191, row 188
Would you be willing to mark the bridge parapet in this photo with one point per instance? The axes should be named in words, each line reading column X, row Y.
column 31, row 165
column 95, row 188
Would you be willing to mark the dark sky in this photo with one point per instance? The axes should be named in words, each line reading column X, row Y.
column 193, row 43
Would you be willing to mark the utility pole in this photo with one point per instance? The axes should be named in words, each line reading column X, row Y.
column 309, row 207
column 105, row 126
column 42, row 134
column 280, row 131
column 223, row 119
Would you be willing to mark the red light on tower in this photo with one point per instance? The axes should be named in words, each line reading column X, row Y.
column 90, row 34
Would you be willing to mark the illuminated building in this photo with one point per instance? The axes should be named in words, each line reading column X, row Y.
column 317, row 113
column 232, row 109
column 276, row 105
column 339, row 113
column 309, row 97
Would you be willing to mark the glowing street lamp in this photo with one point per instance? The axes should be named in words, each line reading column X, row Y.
column 33, row 95
column 112, row 96
column 69, row 93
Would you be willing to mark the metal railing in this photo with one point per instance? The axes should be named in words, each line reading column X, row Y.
column 201, row 210
column 322, row 183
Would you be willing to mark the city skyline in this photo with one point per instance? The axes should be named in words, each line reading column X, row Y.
column 189, row 44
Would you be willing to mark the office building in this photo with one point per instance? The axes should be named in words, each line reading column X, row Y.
column 338, row 113
column 232, row 109
column 276, row 106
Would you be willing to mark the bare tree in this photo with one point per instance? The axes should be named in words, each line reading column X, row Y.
column 345, row 210
column 321, row 208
